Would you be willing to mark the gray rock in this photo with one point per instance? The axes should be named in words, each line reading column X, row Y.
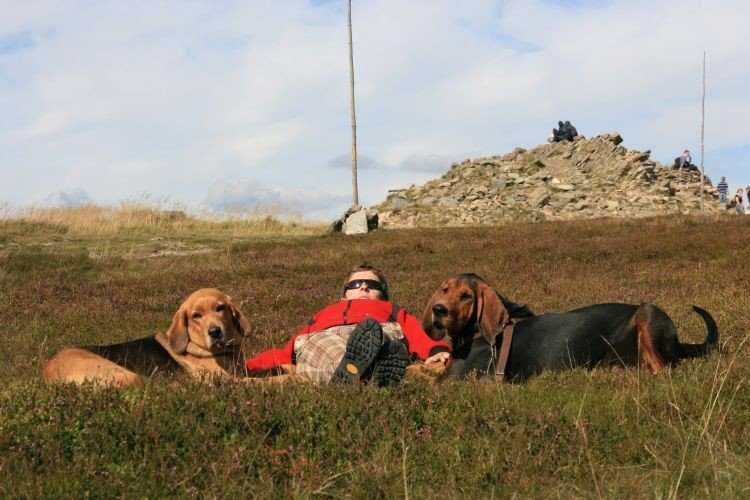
column 562, row 199
column 539, row 197
column 397, row 202
column 499, row 183
column 356, row 223
column 612, row 205
column 447, row 201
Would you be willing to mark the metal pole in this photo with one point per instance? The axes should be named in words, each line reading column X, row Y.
column 355, row 191
column 703, row 119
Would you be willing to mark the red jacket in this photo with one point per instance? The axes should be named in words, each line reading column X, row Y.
column 351, row 312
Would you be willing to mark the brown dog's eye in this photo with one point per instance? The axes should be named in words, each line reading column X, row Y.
column 466, row 296
column 197, row 315
column 220, row 307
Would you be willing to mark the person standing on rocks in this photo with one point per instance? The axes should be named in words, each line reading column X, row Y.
column 723, row 188
column 738, row 202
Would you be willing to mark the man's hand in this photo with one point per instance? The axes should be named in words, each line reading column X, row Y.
column 440, row 357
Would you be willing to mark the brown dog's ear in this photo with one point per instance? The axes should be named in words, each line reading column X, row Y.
column 178, row 332
column 241, row 322
column 491, row 314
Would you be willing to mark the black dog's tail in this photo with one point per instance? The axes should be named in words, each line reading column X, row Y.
column 712, row 340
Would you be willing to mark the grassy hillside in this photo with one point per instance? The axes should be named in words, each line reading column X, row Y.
column 601, row 433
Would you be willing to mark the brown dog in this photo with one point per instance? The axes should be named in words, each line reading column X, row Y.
column 204, row 340
column 479, row 320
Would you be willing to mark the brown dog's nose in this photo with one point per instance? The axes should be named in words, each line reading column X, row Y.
column 439, row 310
column 215, row 332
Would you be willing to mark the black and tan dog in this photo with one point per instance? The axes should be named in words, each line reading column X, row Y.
column 475, row 317
column 204, row 340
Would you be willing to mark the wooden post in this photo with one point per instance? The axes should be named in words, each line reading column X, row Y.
column 703, row 119
column 355, row 191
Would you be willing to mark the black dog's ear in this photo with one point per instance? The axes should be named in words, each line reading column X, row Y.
column 178, row 332
column 241, row 322
column 491, row 314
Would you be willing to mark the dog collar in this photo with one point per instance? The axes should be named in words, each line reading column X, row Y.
column 199, row 352
column 465, row 340
column 193, row 349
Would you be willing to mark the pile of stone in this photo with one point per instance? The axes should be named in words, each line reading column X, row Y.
column 356, row 220
column 579, row 179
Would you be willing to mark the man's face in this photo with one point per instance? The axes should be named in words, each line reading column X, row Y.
column 364, row 291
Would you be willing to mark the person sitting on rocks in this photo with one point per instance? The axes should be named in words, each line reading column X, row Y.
column 565, row 132
column 557, row 133
column 684, row 161
column 570, row 131
column 362, row 337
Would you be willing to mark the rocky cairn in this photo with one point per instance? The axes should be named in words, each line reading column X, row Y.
column 579, row 179
column 356, row 220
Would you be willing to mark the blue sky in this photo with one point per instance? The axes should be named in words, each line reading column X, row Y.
column 209, row 104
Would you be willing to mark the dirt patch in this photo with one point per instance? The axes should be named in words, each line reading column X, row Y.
column 170, row 253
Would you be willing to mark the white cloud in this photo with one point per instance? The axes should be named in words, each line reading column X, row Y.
column 363, row 162
column 46, row 125
column 431, row 163
column 261, row 144
column 246, row 193
column 171, row 98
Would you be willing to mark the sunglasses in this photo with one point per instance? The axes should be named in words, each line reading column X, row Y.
column 357, row 284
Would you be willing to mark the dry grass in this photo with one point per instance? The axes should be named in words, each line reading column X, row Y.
column 94, row 220
column 143, row 230
column 600, row 433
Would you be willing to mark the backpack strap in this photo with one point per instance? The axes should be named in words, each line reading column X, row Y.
column 394, row 313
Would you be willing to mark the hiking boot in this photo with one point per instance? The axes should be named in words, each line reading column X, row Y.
column 361, row 349
column 390, row 366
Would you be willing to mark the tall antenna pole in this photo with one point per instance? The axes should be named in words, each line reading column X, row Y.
column 355, row 192
column 703, row 119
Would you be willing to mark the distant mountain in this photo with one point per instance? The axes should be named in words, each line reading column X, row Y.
column 579, row 179
column 71, row 198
